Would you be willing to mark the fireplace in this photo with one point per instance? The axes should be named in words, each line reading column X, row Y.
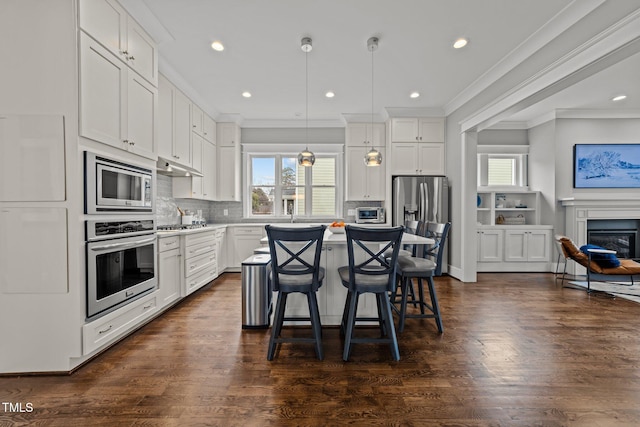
column 619, row 235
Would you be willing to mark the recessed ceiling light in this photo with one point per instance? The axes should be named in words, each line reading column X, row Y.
column 246, row 94
column 330, row 94
column 414, row 94
column 460, row 43
column 217, row 45
column 619, row 98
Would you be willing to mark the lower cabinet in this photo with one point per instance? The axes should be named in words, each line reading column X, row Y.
column 221, row 249
column 244, row 240
column 169, row 270
column 514, row 249
column 115, row 325
column 200, row 265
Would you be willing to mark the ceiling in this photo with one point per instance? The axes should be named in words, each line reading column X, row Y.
column 262, row 55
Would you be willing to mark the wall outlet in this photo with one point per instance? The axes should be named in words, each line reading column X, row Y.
column 351, row 212
column 225, row 212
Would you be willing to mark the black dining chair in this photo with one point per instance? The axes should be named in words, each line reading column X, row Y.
column 423, row 266
column 370, row 271
column 295, row 267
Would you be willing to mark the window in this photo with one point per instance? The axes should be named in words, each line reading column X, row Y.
column 279, row 187
column 502, row 166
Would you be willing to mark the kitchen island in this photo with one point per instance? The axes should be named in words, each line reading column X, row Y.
column 332, row 294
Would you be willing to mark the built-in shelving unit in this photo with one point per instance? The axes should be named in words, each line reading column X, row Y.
column 513, row 207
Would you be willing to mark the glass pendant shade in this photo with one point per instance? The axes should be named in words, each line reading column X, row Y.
column 306, row 158
column 373, row 158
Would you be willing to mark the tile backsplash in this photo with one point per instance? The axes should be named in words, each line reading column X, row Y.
column 213, row 212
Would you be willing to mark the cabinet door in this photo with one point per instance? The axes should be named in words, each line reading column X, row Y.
column 209, row 160
column 431, row 158
column 490, row 247
column 404, row 159
column 102, row 93
column 356, row 174
column 244, row 246
column 142, row 104
column 142, row 52
column 196, row 147
column 228, row 167
column 539, row 245
column 165, row 118
column 209, row 129
column 105, row 21
column 431, row 129
column 169, row 276
column 515, row 245
column 228, row 134
column 375, row 177
column 221, row 249
column 197, row 117
column 404, row 130
column 182, row 129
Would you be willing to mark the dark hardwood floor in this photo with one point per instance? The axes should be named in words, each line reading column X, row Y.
column 517, row 350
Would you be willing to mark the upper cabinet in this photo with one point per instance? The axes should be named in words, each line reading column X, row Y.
column 111, row 26
column 117, row 106
column 228, row 142
column 174, row 123
column 364, row 182
column 428, row 129
column 417, row 146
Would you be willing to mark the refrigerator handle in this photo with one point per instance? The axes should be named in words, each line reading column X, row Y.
column 423, row 203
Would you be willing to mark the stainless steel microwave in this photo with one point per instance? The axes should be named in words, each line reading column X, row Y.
column 112, row 186
column 373, row 215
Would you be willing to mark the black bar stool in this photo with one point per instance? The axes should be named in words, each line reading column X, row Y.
column 370, row 271
column 295, row 267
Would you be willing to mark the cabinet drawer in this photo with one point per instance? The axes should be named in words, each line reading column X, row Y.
column 199, row 263
column 197, row 281
column 197, row 238
column 168, row 243
column 248, row 231
column 200, row 249
column 114, row 325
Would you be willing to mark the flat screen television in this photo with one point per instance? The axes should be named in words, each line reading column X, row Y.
column 606, row 166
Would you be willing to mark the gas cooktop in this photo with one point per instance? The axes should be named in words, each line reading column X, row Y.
column 172, row 227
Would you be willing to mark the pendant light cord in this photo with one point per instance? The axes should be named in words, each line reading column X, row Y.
column 306, row 114
column 372, row 145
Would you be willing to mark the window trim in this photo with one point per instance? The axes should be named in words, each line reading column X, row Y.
column 519, row 153
column 249, row 151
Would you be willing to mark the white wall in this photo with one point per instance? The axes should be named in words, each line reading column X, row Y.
column 542, row 169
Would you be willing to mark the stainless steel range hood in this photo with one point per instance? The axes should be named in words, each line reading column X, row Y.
column 169, row 168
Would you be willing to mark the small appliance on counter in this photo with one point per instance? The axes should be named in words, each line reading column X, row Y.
column 371, row 215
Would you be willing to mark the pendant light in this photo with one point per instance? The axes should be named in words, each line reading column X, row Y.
column 306, row 157
column 373, row 156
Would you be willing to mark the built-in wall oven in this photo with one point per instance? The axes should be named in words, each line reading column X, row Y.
column 121, row 262
column 113, row 186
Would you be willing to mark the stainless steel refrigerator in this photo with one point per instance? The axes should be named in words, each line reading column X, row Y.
column 420, row 198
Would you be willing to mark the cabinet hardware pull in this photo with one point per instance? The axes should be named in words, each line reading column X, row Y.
column 131, row 58
column 104, row 331
column 146, row 307
column 132, row 143
column 124, row 52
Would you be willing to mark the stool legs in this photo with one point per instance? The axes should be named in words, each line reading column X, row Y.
column 434, row 308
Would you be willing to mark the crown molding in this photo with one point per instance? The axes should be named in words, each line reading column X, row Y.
column 414, row 112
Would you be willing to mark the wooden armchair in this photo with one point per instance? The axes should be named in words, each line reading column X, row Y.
column 570, row 251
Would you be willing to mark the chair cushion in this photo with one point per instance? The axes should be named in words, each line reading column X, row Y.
column 298, row 282
column 416, row 266
column 366, row 282
column 603, row 260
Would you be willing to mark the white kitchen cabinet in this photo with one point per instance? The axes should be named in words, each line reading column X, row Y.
column 221, row 249
column 229, row 158
column 31, row 143
column 200, row 265
column 209, row 129
column 242, row 241
column 197, row 120
column 490, row 245
column 209, row 171
column 364, row 182
column 109, row 24
column 428, row 129
column 418, row 158
column 174, row 123
column 115, row 325
column 169, row 270
column 527, row 245
column 117, row 107
column 364, row 134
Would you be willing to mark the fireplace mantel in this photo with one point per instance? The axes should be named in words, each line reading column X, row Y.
column 601, row 202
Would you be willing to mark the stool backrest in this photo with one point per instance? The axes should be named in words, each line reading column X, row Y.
column 366, row 249
column 295, row 251
column 438, row 232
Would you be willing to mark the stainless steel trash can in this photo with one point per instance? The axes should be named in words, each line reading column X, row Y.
column 256, row 292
